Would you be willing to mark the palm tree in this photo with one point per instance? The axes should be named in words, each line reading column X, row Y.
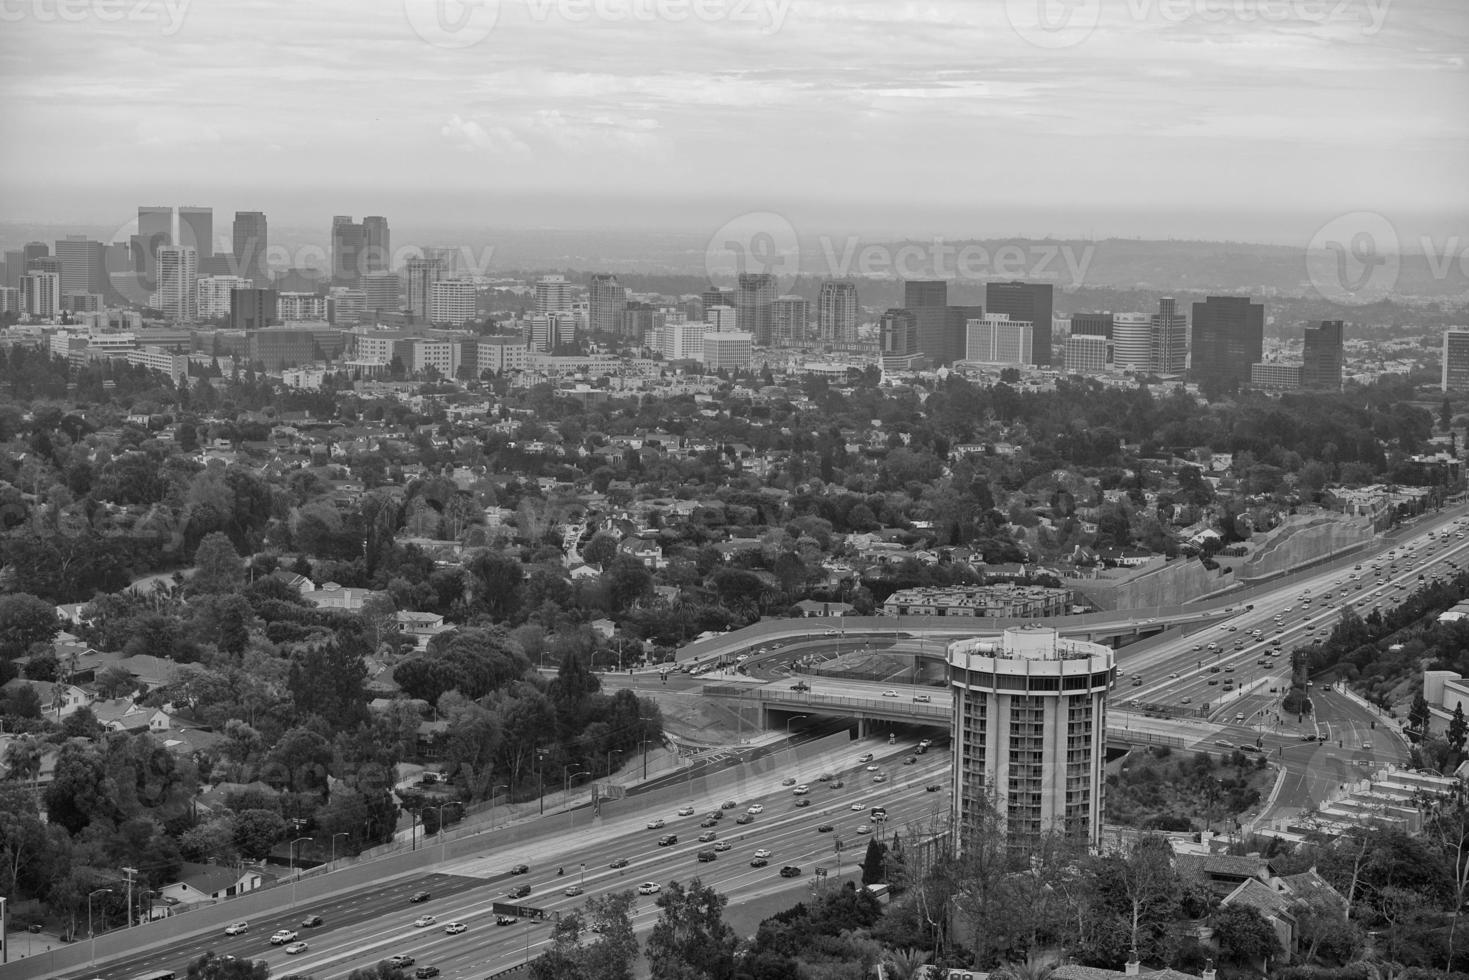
column 907, row 964
column 1032, row 969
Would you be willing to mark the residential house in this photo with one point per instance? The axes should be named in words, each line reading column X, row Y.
column 199, row 883
column 58, row 700
column 421, row 627
column 810, row 607
column 303, row 585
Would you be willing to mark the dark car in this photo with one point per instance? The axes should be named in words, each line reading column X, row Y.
column 401, row 961
column 800, row 686
column 708, row 822
column 835, row 784
column 790, row 871
column 803, row 802
column 744, row 818
column 311, row 922
column 417, row 897
column 825, row 828
column 759, row 863
column 707, row 856
column 619, row 863
column 520, row 869
column 728, row 805
column 424, row 972
column 910, row 760
column 519, row 891
column 667, row 839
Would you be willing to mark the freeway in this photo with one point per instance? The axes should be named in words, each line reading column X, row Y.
column 363, row 928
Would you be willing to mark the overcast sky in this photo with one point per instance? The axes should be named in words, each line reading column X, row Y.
column 1247, row 119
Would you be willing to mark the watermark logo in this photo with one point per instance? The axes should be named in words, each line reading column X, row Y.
column 939, row 259
column 761, row 242
column 1054, row 24
column 1354, row 259
column 168, row 14
column 452, row 23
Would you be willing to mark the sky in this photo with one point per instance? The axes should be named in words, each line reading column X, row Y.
column 1251, row 120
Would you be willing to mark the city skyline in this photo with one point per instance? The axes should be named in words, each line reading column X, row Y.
column 1377, row 91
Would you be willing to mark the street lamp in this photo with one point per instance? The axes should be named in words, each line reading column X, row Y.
column 494, row 790
column 92, row 934
column 293, row 867
column 645, row 757
column 442, row 842
column 340, row 833
column 566, row 791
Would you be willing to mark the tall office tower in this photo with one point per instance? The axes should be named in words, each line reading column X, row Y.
column 40, row 294
column 381, row 290
column 837, row 312
column 731, row 351
column 956, row 331
column 1030, row 734
column 215, row 295
column 155, row 230
column 447, row 257
column 421, row 274
column 254, row 309
column 1322, row 356
column 196, row 231
column 1228, row 337
column 1085, row 354
column 83, row 265
column 1456, row 359
column 722, row 318
column 347, row 250
column 452, row 302
column 31, row 251
column 1028, row 301
column 789, row 320
column 178, row 277
column 45, row 263
column 607, row 298
column 714, row 296
column 755, row 294
column 897, row 333
column 1132, row 343
column 640, row 318
column 927, row 301
column 553, row 294
column 997, row 339
column 15, row 267
column 250, row 241
column 1091, row 325
column 10, row 300
column 377, row 245
column 345, row 307
column 301, row 306
column 1169, row 338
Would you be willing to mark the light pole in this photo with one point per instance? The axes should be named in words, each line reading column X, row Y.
column 645, row 758
column 90, row 932
column 340, row 833
column 494, row 790
column 566, row 791
column 442, row 843
column 293, row 868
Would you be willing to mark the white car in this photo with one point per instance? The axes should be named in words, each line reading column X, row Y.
column 236, row 928
column 801, row 790
column 874, row 768
column 295, row 948
column 656, row 824
column 423, row 920
column 281, row 936
column 864, row 829
column 649, row 888
column 762, row 853
column 455, row 928
column 859, row 806
column 687, row 811
column 889, row 694
column 756, row 808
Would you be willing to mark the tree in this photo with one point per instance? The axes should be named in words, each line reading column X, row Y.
column 212, row 967
column 1418, row 714
column 1458, row 728
column 24, row 620
column 690, row 940
column 115, row 681
column 874, row 870
column 218, row 566
column 1244, row 936
column 257, row 831
column 326, row 679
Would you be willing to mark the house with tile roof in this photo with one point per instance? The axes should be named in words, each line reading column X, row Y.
column 1281, row 901
column 1074, row 971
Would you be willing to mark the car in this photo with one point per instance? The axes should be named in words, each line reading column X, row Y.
column 706, row 855
column 728, row 805
column 801, row 790
column 424, row 972
column 831, row 632
column 790, row 871
column 520, row 869
column 889, row 693
column 1249, row 748
column 923, row 698
column 454, row 928
column 758, row 862
column 1213, row 682
column 800, row 686
column 933, row 787
column 709, row 822
column 803, row 802
column 667, row 839
column 825, row 828
column 859, row 806
column 742, row 658
column 1188, row 700
column 1229, row 670
column 1214, row 669
column 282, row 936
column 866, row 758
column 686, row 811
column 417, row 897
column 1173, row 676
column 649, row 888
column 402, row 960
column 619, row 863
column 880, row 778
column 835, row 784
column 1222, row 743
column 1137, row 683
column 573, row 891
column 714, row 815
column 879, row 813
column 423, row 920
column 910, row 760
column 236, row 928
column 519, row 891
column 295, row 948
column 656, row 824
column 874, row 768
column 311, row 922
column 722, row 845
column 788, row 781
column 756, row 808
column 707, row 836
column 744, row 818
column 1366, row 746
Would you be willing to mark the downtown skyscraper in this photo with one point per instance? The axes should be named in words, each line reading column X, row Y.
column 928, row 300
column 1228, row 338
column 196, row 231
column 755, row 294
column 837, row 312
column 1031, row 302
column 606, row 300
column 249, row 240
column 1168, row 339
column 1322, row 356
column 178, row 274
column 348, row 241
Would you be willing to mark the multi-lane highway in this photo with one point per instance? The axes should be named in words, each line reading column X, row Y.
column 361, row 929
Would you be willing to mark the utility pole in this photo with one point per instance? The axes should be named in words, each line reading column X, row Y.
column 130, row 872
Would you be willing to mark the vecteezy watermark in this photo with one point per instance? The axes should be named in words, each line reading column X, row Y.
column 1353, row 259
column 1066, row 23
column 168, row 13
column 758, row 243
column 464, row 23
column 939, row 259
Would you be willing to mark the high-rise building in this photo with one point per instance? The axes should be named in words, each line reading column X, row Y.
column 1086, row 354
column 956, row 331
column 422, row 274
column 927, row 301
column 1228, row 337
column 301, row 306
column 1169, row 338
column 40, row 294
column 178, row 276
column 789, row 320
column 345, row 307
column 1132, row 343
column 452, row 302
column 377, row 245
column 10, row 300
column 15, row 267
column 755, row 294
column 1031, row 302
column 837, row 312
column 997, row 339
column 722, row 318
column 553, row 294
column 155, row 230
column 254, row 309
column 714, row 296
column 897, row 333
column 32, row 251
column 1322, row 356
column 447, row 257
column 196, row 231
column 83, row 265
column 731, row 351
column 638, row 319
column 683, row 341
column 348, row 241
column 214, row 295
column 1456, row 359
column 250, row 241
column 606, row 298
column 45, row 263
column 1030, row 734
column 381, row 291
column 1277, row 375
column 1091, row 325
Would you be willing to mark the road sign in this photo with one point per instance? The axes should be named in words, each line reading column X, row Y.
column 820, row 872
column 519, row 911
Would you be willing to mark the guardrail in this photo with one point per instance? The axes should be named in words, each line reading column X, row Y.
column 807, row 700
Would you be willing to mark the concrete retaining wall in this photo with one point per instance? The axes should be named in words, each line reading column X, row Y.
column 1305, row 541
